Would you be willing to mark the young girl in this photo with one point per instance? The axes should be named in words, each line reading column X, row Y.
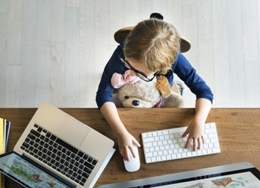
column 152, row 48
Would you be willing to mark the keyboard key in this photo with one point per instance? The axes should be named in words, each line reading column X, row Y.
column 149, row 139
column 214, row 140
column 211, row 130
column 48, row 135
column 165, row 132
column 87, row 170
column 85, row 175
column 85, row 157
column 90, row 166
column 216, row 150
column 35, row 133
column 39, row 129
column 149, row 155
column 80, row 154
column 31, row 136
column 148, row 145
column 25, row 145
column 53, row 137
column 64, row 144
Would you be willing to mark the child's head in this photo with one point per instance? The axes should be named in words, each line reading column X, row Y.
column 154, row 42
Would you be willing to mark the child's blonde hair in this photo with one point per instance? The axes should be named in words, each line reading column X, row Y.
column 154, row 41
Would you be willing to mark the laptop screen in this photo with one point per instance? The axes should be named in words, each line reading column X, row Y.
column 234, row 179
column 26, row 173
column 226, row 176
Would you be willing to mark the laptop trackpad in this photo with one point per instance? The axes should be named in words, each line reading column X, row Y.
column 72, row 131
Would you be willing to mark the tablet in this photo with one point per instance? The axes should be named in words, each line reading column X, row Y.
column 227, row 176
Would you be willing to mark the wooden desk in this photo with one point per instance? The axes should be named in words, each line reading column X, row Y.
column 238, row 130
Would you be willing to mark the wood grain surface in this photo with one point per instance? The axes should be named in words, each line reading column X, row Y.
column 238, row 131
column 56, row 51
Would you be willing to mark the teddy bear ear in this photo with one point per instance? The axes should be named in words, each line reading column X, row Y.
column 163, row 86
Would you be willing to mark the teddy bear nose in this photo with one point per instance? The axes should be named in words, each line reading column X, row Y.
column 135, row 102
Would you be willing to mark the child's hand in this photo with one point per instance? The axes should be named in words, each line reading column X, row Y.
column 196, row 135
column 125, row 144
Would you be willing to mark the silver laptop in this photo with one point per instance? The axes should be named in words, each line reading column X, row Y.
column 229, row 176
column 60, row 147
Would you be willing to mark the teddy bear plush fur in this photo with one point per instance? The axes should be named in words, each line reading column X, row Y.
column 142, row 94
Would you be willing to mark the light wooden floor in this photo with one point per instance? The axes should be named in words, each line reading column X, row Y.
column 55, row 50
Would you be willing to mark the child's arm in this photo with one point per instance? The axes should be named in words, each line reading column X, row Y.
column 125, row 139
column 196, row 129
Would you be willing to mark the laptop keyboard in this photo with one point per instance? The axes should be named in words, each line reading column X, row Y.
column 59, row 155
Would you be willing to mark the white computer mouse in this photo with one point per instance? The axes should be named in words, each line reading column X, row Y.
column 134, row 163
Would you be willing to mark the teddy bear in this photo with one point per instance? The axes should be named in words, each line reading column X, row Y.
column 133, row 92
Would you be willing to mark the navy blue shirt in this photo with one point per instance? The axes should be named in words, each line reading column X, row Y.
column 181, row 67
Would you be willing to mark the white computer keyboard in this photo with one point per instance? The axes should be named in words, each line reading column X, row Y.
column 168, row 144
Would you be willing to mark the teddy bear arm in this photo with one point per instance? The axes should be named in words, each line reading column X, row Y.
column 174, row 100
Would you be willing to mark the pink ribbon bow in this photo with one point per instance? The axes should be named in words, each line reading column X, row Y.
column 119, row 80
